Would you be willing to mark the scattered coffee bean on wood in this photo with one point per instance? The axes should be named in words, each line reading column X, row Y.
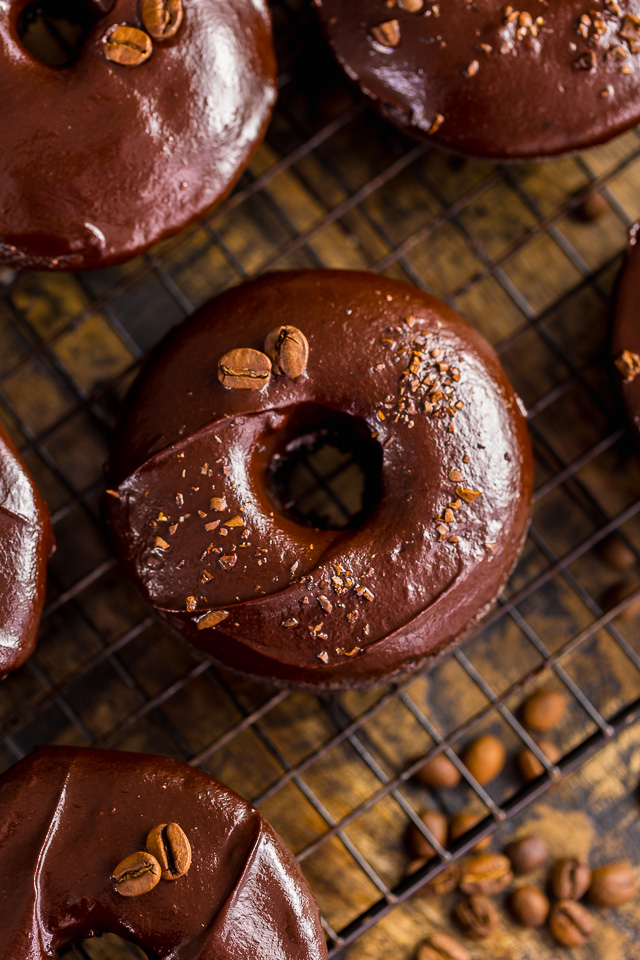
column 591, row 207
column 439, row 946
column 570, row 878
column 530, row 766
column 137, row 874
column 613, row 885
column 616, row 595
column 461, row 823
column 476, row 916
column 418, row 845
column 529, row 906
column 615, row 553
column 527, row 854
column 485, row 758
column 440, row 773
column 486, row 873
column 543, row 710
column 570, row 923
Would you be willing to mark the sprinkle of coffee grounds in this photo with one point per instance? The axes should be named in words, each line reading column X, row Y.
column 628, row 363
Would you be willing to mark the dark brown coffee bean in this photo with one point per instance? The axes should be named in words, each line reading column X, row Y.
column 169, row 844
column 477, row 916
column 127, row 45
column 570, row 878
column 613, row 884
column 136, row 874
column 616, row 595
column 527, row 854
column 441, row 947
column 485, row 758
column 461, row 823
column 571, row 923
column 244, row 369
column 593, row 206
column 529, row 906
column 543, row 710
column 530, row 766
column 161, row 18
column 445, row 882
column 417, row 843
column 288, row 349
column 488, row 873
column 440, row 773
column 615, row 553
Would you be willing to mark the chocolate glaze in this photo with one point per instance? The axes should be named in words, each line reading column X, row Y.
column 27, row 543
column 626, row 325
column 422, row 591
column 70, row 815
column 98, row 161
column 502, row 84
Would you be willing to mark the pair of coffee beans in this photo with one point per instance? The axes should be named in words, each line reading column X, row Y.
column 167, row 857
column 286, row 353
column 129, row 46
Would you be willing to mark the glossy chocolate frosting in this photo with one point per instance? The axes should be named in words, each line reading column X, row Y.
column 26, row 543
column 490, row 78
column 70, row 815
column 98, row 160
column 626, row 330
column 311, row 606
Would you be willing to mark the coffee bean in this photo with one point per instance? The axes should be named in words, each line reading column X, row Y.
column 614, row 552
column 530, row 766
column 477, row 916
column 488, row 873
column 527, row 854
column 288, row 349
column 529, row 906
column 244, row 369
column 570, row 923
column 613, row 884
column 418, row 844
column 440, row 773
column 543, row 710
column 441, row 947
column 460, row 823
column 591, row 208
column 412, row 6
column 137, row 874
column 126, row 45
column 570, row 878
column 485, row 758
column 169, row 844
column 445, row 882
column 616, row 595
column 161, row 18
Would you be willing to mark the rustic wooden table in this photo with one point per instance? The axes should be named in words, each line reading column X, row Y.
column 334, row 186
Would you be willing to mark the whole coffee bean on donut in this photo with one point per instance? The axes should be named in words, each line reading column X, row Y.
column 494, row 79
column 142, row 133
column 414, row 402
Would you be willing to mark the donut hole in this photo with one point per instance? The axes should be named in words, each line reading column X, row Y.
column 54, row 31
column 326, row 472
column 108, row 946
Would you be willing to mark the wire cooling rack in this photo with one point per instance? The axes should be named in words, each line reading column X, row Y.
column 334, row 186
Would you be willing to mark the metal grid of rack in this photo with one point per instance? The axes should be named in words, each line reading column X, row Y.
column 335, row 186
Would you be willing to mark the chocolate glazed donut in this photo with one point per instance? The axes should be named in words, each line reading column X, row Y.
column 26, row 543
column 70, row 815
column 196, row 525
column 626, row 330
column 490, row 78
column 102, row 158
